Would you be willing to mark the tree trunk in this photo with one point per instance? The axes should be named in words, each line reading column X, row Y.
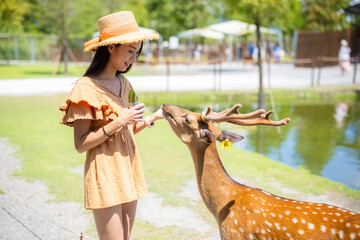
column 258, row 44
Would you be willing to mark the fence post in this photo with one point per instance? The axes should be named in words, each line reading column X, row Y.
column 32, row 49
column 167, row 75
column 312, row 71
column 16, row 48
column 357, row 58
column 319, row 72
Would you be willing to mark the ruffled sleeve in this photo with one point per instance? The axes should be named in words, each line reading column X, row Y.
column 85, row 102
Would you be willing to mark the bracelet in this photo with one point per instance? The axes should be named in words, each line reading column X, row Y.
column 105, row 132
column 147, row 122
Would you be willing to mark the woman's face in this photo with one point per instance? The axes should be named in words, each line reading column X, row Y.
column 123, row 56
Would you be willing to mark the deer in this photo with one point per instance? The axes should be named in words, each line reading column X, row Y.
column 244, row 212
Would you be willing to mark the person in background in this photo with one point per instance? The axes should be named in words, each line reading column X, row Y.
column 344, row 57
column 104, row 124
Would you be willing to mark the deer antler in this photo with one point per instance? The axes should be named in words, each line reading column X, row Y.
column 233, row 116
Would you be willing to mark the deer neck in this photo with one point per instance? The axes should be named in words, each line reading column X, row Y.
column 212, row 179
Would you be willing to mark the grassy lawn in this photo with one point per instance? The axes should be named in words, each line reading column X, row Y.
column 32, row 124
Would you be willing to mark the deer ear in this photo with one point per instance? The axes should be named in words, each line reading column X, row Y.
column 233, row 137
column 207, row 136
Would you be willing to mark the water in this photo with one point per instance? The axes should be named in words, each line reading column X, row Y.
column 323, row 138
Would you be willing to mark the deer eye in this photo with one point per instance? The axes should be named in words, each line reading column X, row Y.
column 186, row 119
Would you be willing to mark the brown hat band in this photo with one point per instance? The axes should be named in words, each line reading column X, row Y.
column 115, row 32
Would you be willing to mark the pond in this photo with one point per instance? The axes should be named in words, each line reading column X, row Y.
column 323, row 138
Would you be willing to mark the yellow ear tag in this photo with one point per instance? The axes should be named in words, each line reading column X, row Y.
column 226, row 144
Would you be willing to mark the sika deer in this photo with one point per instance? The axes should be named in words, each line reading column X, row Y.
column 244, row 212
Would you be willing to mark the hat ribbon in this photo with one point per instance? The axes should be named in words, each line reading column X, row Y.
column 114, row 32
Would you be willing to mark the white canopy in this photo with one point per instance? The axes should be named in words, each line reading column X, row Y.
column 204, row 32
column 238, row 28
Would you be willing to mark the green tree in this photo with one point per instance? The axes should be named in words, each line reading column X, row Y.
column 322, row 15
column 12, row 14
column 262, row 13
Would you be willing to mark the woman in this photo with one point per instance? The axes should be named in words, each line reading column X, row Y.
column 344, row 57
column 104, row 126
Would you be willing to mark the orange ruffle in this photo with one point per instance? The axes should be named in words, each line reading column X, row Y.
column 86, row 101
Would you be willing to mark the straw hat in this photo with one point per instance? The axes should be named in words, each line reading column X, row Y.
column 120, row 27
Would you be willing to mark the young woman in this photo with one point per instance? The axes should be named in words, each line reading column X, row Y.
column 104, row 126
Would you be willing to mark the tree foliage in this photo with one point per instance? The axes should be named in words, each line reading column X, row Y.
column 322, row 15
column 12, row 14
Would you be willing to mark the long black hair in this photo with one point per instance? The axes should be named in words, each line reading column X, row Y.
column 100, row 60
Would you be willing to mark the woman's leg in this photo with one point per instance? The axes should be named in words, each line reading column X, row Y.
column 109, row 223
column 128, row 216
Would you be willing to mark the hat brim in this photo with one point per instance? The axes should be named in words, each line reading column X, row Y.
column 124, row 39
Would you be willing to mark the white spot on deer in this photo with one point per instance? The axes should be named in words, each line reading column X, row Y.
column 257, row 230
column 337, row 214
column 325, row 218
column 251, row 236
column 227, row 193
column 234, row 192
column 267, row 223
column 241, row 230
column 305, row 213
column 280, row 216
column 357, row 226
column 272, row 214
column 266, row 193
column 301, row 232
column 298, row 207
column 352, row 235
column 330, row 213
column 314, row 212
column 311, row 203
column 277, row 226
column 231, row 214
column 244, row 208
column 303, row 221
column 263, row 231
column 294, row 220
column 341, row 234
column 287, row 212
column 344, row 210
column 330, row 206
column 284, row 228
column 278, row 198
column 323, row 228
column 319, row 204
column 348, row 224
column 341, row 220
column 286, row 200
column 236, row 222
column 264, row 214
column 254, row 222
column 247, row 212
column 334, row 220
column 333, row 231
column 288, row 234
column 323, row 213
column 257, row 211
column 311, row 226
column 307, row 207
column 352, row 213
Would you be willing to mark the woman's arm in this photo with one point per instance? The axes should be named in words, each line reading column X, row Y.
column 86, row 139
column 154, row 117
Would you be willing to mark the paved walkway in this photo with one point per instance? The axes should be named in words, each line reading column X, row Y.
column 233, row 76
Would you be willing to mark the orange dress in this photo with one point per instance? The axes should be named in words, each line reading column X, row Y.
column 113, row 173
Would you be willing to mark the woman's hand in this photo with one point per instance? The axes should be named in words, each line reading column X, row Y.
column 131, row 115
column 158, row 114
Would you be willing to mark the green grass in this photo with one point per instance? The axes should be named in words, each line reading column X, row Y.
column 32, row 124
